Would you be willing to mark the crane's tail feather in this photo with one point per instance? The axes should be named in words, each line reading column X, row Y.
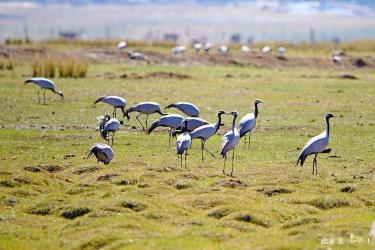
column 28, row 81
column 326, row 151
column 154, row 125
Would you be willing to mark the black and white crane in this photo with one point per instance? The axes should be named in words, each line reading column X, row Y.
column 108, row 125
column 316, row 145
column 137, row 56
column 44, row 84
column 248, row 122
column 146, row 108
column 191, row 124
column 206, row 131
column 102, row 152
column 171, row 121
column 121, row 45
column 185, row 107
column 115, row 101
column 230, row 141
column 183, row 142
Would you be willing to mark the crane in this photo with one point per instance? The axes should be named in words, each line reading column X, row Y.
column 146, row 108
column 248, row 122
column 230, row 141
column 44, row 84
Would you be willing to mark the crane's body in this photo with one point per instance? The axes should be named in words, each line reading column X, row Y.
column 146, row 108
column 206, row 131
column 114, row 101
column 108, row 125
column 186, row 107
column 230, row 141
column 192, row 123
column 102, row 152
column 316, row 145
column 171, row 121
column 44, row 84
column 183, row 143
column 248, row 122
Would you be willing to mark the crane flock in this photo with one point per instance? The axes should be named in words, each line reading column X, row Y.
column 189, row 128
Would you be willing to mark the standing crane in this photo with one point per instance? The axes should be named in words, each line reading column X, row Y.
column 108, row 125
column 102, row 152
column 248, row 122
column 185, row 107
column 171, row 121
column 183, row 142
column 206, row 131
column 146, row 108
column 44, row 84
column 115, row 101
column 230, row 141
column 316, row 145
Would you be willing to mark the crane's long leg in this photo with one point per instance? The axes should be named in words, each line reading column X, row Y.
column 181, row 160
column 231, row 173
column 313, row 166
column 249, row 138
column 44, row 96
column 143, row 128
column 113, row 136
column 170, row 135
column 114, row 113
column 38, row 95
column 225, row 159
column 185, row 158
column 146, row 120
column 316, row 164
column 202, row 148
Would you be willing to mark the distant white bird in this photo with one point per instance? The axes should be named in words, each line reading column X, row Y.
column 115, row 102
column 178, row 49
column 122, row 45
column 316, row 145
column 245, row 48
column 171, row 121
column 191, row 124
column 198, row 47
column 230, row 141
column 336, row 59
column 206, row 131
column 223, row 49
column 186, row 107
column 183, row 142
column 102, row 152
column 44, row 84
column 146, row 108
column 108, row 125
column 137, row 56
column 248, row 122
column 207, row 46
column 266, row 49
column 281, row 51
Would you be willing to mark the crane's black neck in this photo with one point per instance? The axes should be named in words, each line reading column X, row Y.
column 217, row 126
column 328, row 126
column 234, row 122
column 256, row 110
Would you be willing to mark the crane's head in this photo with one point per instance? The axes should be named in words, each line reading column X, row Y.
column 258, row 101
column 60, row 94
column 329, row 115
column 234, row 113
column 221, row 112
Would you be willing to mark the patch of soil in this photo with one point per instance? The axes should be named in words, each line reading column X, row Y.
column 182, row 185
column 218, row 214
column 83, row 170
column 75, row 212
column 231, row 183
column 168, row 75
column 348, row 76
column 107, row 177
column 44, row 168
column 133, row 205
column 300, row 222
column 348, row 189
column 274, row 191
column 360, row 63
column 251, row 219
column 132, row 76
column 125, row 182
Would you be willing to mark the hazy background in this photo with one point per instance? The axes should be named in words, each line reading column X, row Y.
column 216, row 20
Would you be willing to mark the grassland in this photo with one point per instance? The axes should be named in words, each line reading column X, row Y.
column 51, row 198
